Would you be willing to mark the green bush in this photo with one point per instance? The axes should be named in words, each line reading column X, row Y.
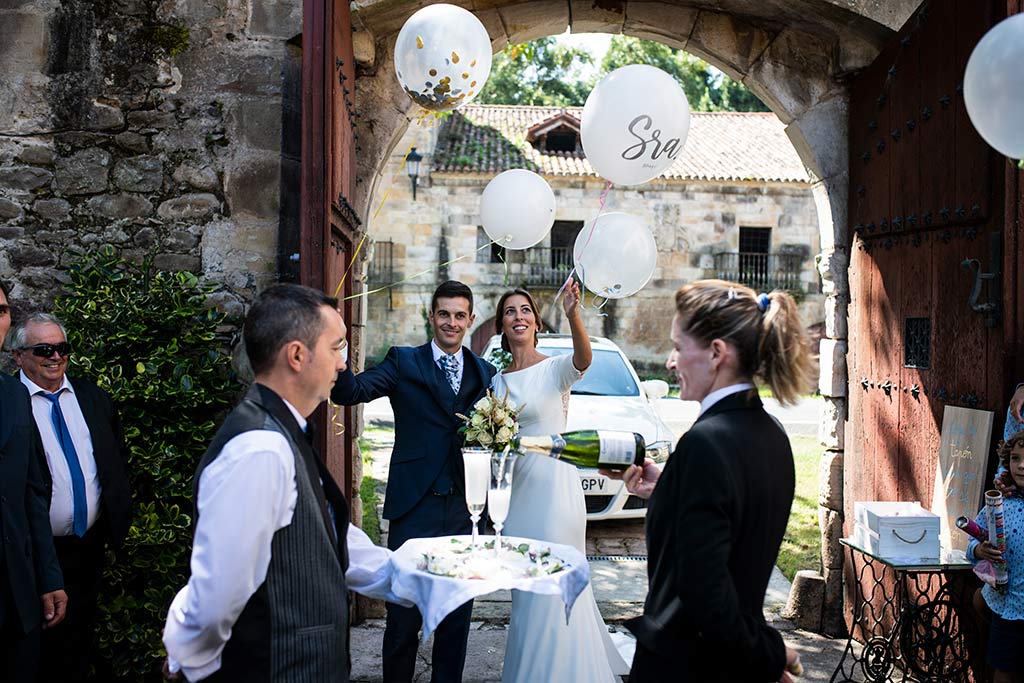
column 149, row 340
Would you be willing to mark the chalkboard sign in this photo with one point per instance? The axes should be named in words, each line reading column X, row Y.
column 960, row 473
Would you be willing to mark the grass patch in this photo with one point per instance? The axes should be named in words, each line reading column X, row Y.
column 368, row 494
column 801, row 548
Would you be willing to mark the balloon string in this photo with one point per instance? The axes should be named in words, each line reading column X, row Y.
column 419, row 274
column 593, row 225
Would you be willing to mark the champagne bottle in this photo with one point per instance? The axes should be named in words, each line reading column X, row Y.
column 601, row 449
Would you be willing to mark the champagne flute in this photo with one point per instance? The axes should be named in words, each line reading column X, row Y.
column 499, row 494
column 476, row 462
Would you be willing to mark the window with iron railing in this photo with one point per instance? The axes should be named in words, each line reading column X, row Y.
column 762, row 272
column 547, row 266
column 381, row 269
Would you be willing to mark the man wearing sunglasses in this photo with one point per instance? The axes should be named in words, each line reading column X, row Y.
column 90, row 505
column 31, row 586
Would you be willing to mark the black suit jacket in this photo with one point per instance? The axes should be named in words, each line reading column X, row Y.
column 714, row 527
column 28, row 562
column 111, row 454
column 425, row 423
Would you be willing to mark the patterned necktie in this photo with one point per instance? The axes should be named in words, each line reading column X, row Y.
column 451, row 370
column 60, row 428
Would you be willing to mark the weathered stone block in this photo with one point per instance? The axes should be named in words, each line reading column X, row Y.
column 833, row 421
column 180, row 140
column 24, row 41
column 793, row 73
column 660, row 21
column 145, row 238
column 836, row 316
column 591, row 17
column 189, row 206
column 364, row 48
column 84, row 172
column 834, row 266
column 278, row 19
column 819, row 137
column 831, row 524
column 253, row 188
column 178, row 262
column 25, row 255
column 151, row 120
column 731, row 42
column 831, row 198
column 53, row 210
column 832, row 361
column 200, row 177
column 104, row 117
column 180, row 240
column 257, row 122
column 24, row 178
column 531, row 20
column 806, row 598
column 139, row 174
column 117, row 206
column 11, row 232
column 133, row 142
column 37, row 155
column 9, row 209
column 830, row 480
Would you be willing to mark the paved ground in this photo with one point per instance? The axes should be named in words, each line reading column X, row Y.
column 619, row 582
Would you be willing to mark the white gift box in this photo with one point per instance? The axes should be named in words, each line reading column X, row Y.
column 896, row 530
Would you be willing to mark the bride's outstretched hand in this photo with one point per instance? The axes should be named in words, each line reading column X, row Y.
column 571, row 298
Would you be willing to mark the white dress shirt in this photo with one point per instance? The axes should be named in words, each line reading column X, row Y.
column 62, row 502
column 718, row 394
column 438, row 352
column 245, row 495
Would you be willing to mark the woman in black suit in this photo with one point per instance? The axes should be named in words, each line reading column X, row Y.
column 717, row 517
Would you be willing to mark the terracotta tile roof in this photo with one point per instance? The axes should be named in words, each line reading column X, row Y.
column 720, row 146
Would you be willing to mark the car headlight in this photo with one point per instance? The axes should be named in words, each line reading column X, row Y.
column 659, row 451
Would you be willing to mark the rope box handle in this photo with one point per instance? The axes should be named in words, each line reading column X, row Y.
column 924, row 532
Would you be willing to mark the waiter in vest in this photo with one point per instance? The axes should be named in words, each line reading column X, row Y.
column 267, row 598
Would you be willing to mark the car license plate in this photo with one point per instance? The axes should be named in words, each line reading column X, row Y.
column 593, row 484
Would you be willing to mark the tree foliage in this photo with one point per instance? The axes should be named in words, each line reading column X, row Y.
column 546, row 73
column 149, row 340
column 541, row 72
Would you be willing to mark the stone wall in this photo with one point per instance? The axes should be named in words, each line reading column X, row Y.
column 154, row 127
column 690, row 222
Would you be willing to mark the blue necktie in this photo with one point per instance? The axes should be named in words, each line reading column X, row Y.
column 60, row 427
column 451, row 369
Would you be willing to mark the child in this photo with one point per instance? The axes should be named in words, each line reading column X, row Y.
column 1006, row 638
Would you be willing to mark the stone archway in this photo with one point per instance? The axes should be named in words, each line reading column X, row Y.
column 793, row 55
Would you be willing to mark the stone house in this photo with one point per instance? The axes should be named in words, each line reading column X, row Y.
column 737, row 204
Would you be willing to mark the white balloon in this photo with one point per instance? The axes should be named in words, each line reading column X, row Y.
column 634, row 124
column 443, row 57
column 517, row 208
column 994, row 87
column 618, row 259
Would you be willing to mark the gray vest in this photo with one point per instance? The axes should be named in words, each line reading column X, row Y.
column 294, row 629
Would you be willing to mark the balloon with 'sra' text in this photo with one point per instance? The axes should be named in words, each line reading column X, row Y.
column 994, row 87
column 517, row 208
column 442, row 57
column 634, row 124
column 618, row 257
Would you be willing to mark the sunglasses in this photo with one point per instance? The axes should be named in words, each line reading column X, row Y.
column 47, row 350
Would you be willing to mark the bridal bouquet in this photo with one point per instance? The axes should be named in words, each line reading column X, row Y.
column 492, row 423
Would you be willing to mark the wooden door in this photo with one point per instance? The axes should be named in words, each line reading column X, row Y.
column 329, row 224
column 926, row 194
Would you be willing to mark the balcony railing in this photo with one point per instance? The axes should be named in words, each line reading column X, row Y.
column 547, row 266
column 762, row 272
column 381, row 269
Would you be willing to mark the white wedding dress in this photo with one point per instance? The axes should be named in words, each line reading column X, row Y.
column 547, row 504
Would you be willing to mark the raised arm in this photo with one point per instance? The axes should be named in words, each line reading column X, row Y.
column 582, row 354
column 351, row 389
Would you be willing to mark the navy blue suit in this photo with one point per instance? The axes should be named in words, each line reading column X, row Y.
column 425, row 495
column 28, row 563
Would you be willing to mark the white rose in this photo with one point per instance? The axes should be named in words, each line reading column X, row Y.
column 477, row 420
column 484, row 439
column 503, row 435
column 472, row 436
column 483, row 405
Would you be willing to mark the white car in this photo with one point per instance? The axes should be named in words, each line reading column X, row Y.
column 609, row 396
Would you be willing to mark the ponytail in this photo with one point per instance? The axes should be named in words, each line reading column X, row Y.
column 764, row 329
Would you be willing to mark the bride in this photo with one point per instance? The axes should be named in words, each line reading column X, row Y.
column 547, row 503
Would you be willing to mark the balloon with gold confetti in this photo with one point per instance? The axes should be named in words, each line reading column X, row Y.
column 442, row 57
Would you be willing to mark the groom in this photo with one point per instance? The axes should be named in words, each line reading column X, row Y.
column 425, row 495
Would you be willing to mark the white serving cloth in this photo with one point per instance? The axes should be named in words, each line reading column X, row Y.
column 438, row 596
